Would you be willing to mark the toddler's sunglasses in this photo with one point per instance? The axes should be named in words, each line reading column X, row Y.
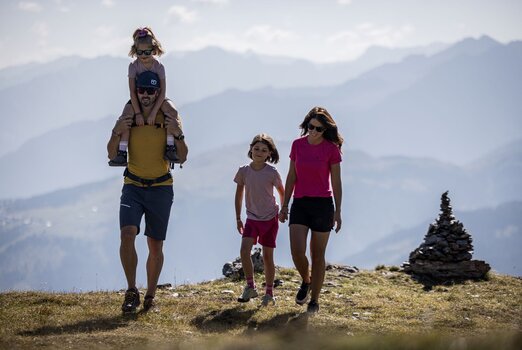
column 318, row 128
column 144, row 52
column 149, row 91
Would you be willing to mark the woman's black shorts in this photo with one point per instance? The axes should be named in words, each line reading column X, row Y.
column 317, row 213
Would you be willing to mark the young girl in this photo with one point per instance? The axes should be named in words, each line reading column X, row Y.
column 144, row 48
column 259, row 180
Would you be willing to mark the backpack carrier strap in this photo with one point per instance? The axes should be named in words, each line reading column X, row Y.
column 146, row 182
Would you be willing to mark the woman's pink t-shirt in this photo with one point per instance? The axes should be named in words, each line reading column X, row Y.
column 312, row 167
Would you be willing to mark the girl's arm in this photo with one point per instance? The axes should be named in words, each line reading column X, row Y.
column 337, row 188
column 159, row 101
column 289, row 189
column 238, row 203
column 134, row 101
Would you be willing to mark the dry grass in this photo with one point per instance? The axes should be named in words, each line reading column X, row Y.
column 379, row 309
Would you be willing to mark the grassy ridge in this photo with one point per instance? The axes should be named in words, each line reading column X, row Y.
column 379, row 309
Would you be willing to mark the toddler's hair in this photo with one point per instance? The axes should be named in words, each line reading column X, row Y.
column 269, row 142
column 145, row 36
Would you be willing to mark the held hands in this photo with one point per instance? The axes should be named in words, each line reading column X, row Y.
column 283, row 213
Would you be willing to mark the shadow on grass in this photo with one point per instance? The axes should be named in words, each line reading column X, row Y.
column 288, row 322
column 218, row 321
column 87, row 326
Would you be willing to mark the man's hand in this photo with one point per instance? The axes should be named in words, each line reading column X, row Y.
column 123, row 124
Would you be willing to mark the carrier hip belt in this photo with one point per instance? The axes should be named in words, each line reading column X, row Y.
column 146, row 182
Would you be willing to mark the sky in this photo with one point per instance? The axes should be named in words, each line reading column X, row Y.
column 320, row 31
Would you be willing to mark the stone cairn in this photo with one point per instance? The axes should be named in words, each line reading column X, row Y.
column 234, row 269
column 445, row 255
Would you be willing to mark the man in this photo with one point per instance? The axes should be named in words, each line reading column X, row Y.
column 147, row 188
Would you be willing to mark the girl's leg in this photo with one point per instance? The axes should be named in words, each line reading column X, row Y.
column 124, row 141
column 168, row 108
column 246, row 260
column 298, row 236
column 317, row 252
column 268, row 261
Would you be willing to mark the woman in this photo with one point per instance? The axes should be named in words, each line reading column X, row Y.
column 314, row 176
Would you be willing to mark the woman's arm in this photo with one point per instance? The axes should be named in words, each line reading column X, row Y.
column 337, row 188
column 238, row 203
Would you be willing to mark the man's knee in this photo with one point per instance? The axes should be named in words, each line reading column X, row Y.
column 128, row 233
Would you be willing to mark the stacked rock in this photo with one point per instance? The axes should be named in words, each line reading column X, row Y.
column 446, row 251
column 234, row 269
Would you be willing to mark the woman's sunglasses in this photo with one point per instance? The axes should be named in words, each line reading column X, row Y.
column 318, row 128
column 149, row 91
column 144, row 52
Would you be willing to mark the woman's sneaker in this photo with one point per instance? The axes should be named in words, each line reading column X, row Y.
column 302, row 293
column 131, row 301
column 313, row 307
column 148, row 303
column 248, row 293
column 267, row 300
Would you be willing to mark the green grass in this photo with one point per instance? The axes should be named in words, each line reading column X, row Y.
column 381, row 309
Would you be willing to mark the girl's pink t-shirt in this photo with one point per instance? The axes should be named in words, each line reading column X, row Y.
column 312, row 167
column 259, row 185
column 136, row 67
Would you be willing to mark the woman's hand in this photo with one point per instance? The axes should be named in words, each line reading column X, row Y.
column 338, row 221
column 283, row 214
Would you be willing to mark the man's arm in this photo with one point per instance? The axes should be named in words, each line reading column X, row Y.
column 122, row 124
column 174, row 128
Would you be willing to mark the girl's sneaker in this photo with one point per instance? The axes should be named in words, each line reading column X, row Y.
column 267, row 300
column 248, row 293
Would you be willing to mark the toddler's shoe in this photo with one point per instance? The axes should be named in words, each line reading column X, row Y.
column 120, row 159
column 171, row 154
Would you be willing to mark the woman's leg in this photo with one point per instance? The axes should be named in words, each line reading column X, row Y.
column 298, row 236
column 318, row 245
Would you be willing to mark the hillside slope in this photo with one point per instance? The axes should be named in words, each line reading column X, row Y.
column 377, row 309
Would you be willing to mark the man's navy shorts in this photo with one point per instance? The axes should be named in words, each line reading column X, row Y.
column 317, row 213
column 154, row 202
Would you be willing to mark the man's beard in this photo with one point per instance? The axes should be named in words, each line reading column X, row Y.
column 146, row 101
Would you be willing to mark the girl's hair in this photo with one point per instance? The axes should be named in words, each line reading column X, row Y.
column 269, row 142
column 145, row 36
column 321, row 114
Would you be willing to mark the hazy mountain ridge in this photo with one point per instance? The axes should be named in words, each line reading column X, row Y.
column 382, row 195
column 75, row 89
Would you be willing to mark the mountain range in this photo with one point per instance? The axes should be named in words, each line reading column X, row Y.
column 414, row 127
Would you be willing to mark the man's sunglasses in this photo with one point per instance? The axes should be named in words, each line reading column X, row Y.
column 318, row 128
column 144, row 52
column 149, row 91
